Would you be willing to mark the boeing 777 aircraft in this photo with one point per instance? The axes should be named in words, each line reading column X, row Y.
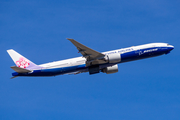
column 91, row 61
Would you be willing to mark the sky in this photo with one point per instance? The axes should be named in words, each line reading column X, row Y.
column 141, row 90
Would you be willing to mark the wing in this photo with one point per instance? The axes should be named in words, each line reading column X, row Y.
column 92, row 57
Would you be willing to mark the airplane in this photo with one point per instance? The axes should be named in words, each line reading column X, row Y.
column 91, row 61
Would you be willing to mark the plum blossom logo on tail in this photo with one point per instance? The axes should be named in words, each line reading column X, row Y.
column 22, row 62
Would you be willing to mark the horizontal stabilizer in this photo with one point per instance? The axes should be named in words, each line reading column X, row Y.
column 20, row 70
column 14, row 77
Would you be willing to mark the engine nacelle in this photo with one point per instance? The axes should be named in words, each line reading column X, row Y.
column 113, row 58
column 111, row 69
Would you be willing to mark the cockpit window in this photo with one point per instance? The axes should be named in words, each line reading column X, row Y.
column 168, row 44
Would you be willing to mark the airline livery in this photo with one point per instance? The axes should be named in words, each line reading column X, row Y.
column 91, row 61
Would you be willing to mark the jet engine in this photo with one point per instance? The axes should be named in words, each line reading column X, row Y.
column 111, row 69
column 113, row 58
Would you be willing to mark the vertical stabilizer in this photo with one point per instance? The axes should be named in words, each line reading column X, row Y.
column 21, row 61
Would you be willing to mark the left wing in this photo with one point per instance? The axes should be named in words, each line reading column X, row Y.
column 92, row 57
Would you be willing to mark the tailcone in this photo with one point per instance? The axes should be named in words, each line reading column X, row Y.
column 15, row 74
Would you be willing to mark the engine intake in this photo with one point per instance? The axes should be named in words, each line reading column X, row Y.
column 113, row 58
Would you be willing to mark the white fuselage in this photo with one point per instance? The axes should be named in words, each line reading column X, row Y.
column 78, row 64
column 82, row 60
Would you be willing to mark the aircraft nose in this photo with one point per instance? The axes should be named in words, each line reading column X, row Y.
column 171, row 47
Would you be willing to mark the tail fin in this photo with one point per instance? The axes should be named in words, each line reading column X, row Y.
column 21, row 61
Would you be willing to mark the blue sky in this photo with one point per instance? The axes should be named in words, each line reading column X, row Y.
column 145, row 89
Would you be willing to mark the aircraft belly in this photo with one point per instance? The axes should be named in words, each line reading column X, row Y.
column 53, row 72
